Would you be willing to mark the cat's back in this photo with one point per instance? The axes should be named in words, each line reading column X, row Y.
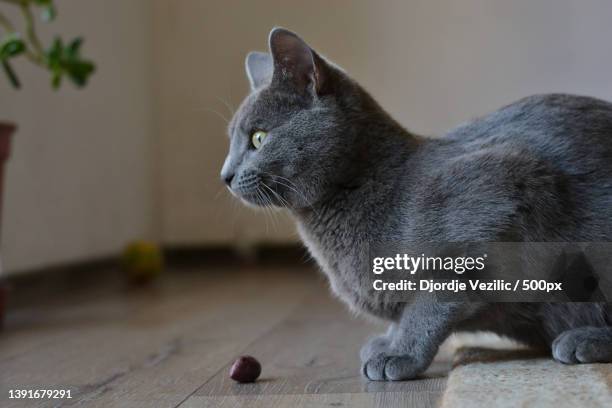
column 543, row 112
column 572, row 132
column 545, row 160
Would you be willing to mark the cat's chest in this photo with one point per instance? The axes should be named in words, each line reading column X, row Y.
column 345, row 261
column 334, row 248
column 341, row 253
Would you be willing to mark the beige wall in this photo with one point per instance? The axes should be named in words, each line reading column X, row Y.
column 433, row 64
column 80, row 178
column 138, row 152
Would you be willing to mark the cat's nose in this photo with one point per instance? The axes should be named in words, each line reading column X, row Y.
column 227, row 178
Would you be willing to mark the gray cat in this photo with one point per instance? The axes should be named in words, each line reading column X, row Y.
column 308, row 138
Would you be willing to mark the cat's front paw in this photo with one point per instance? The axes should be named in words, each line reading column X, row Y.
column 381, row 363
column 374, row 346
column 584, row 345
column 387, row 367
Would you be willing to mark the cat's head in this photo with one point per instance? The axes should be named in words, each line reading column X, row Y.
column 291, row 139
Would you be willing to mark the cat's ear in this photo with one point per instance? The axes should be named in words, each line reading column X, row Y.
column 295, row 63
column 259, row 68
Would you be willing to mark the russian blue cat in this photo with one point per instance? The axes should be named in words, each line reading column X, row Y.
column 309, row 139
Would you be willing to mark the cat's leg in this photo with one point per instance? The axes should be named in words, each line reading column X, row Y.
column 375, row 344
column 584, row 345
column 410, row 345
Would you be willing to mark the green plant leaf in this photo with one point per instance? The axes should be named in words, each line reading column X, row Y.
column 56, row 79
column 10, row 73
column 80, row 71
column 54, row 53
column 11, row 46
column 66, row 61
column 61, row 59
column 74, row 48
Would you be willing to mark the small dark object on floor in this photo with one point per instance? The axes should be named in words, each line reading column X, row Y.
column 245, row 369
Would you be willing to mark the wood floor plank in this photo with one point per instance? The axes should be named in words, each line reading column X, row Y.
column 153, row 347
column 172, row 346
column 315, row 351
column 343, row 400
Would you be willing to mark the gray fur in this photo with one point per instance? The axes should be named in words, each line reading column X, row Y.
column 537, row 170
column 584, row 345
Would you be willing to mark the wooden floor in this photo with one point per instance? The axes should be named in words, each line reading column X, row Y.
column 172, row 345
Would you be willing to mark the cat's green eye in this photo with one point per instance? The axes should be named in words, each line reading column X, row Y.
column 258, row 138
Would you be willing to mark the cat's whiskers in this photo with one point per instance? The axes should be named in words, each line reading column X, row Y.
column 294, row 188
column 278, row 196
column 273, row 192
column 227, row 105
column 294, row 185
column 221, row 190
column 268, row 208
column 263, row 208
column 225, row 120
column 291, row 185
column 272, row 210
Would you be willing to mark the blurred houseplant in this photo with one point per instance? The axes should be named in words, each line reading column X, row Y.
column 61, row 60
